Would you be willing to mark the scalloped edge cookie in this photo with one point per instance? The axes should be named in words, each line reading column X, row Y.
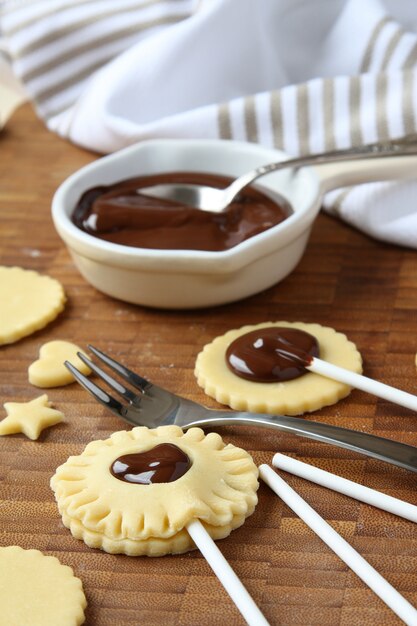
column 29, row 301
column 219, row 489
column 293, row 397
column 38, row 590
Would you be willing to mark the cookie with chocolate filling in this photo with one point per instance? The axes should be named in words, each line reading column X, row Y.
column 135, row 492
column 252, row 368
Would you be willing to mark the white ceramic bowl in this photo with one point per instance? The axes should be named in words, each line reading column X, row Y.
column 185, row 279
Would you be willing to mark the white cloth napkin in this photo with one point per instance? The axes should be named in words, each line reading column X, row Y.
column 12, row 93
column 300, row 75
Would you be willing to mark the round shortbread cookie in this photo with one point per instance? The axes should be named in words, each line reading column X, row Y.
column 37, row 590
column 292, row 397
column 219, row 488
column 28, row 302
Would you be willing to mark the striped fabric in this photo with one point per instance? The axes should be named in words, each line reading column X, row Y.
column 106, row 74
column 57, row 46
column 329, row 113
column 326, row 114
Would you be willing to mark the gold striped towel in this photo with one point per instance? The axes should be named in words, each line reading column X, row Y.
column 300, row 76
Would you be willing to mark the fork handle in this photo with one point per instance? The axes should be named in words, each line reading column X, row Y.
column 380, row 448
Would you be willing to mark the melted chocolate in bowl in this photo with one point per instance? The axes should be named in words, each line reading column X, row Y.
column 272, row 354
column 121, row 214
column 164, row 463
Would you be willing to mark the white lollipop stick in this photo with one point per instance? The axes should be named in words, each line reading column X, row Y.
column 226, row 575
column 353, row 559
column 347, row 487
column 362, row 382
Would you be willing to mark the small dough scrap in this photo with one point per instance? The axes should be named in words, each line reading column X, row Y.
column 219, row 489
column 28, row 302
column 292, row 397
column 49, row 370
column 37, row 590
column 29, row 418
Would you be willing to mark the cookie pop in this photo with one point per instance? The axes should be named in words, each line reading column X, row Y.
column 159, row 491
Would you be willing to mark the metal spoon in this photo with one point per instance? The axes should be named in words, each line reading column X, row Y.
column 217, row 200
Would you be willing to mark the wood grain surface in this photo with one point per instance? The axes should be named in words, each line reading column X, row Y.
column 357, row 285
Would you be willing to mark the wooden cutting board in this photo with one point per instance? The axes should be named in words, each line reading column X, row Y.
column 359, row 286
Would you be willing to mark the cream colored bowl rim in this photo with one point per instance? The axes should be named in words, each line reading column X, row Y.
column 172, row 260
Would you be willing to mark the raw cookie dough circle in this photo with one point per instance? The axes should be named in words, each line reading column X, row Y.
column 28, row 302
column 292, row 397
column 37, row 590
column 219, row 489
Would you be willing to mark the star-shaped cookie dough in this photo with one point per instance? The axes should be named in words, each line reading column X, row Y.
column 29, row 418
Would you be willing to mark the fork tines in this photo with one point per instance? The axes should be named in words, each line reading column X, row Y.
column 96, row 391
column 131, row 377
column 100, row 394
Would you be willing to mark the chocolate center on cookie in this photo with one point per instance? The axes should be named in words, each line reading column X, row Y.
column 164, row 463
column 272, row 354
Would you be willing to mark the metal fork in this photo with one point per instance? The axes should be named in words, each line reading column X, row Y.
column 154, row 406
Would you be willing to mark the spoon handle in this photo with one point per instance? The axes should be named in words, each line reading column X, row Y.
column 364, row 383
column 371, row 151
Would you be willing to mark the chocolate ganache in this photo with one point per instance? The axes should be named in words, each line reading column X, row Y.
column 121, row 214
column 164, row 463
column 272, row 354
